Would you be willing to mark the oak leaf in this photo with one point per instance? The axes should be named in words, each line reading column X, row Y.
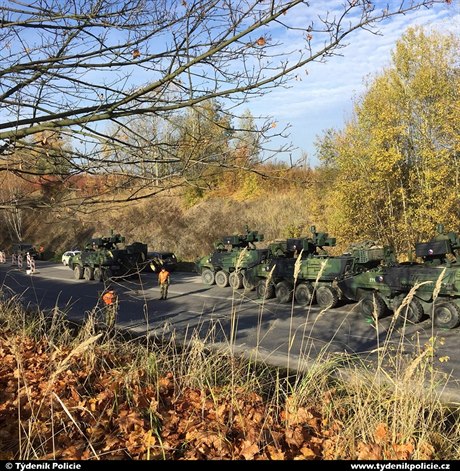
column 308, row 453
column 249, row 450
column 403, row 452
column 370, row 451
column 128, row 421
column 275, row 453
column 294, row 436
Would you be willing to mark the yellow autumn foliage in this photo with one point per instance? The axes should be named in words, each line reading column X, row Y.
column 397, row 159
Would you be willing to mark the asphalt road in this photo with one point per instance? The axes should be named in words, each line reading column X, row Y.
column 282, row 335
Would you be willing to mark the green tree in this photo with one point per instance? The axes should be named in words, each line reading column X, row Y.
column 52, row 154
column 247, row 140
column 202, row 137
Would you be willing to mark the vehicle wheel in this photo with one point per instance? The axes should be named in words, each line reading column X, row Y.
column 208, row 277
column 410, row 314
column 372, row 306
column 265, row 291
column 222, row 279
column 106, row 274
column 97, row 274
column 326, row 297
column 88, row 273
column 304, row 293
column 283, row 291
column 64, row 262
column 248, row 285
column 236, row 280
column 78, row 272
column 446, row 315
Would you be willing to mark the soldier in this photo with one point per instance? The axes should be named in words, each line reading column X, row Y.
column 163, row 281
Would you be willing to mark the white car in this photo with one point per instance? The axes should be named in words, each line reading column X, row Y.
column 66, row 256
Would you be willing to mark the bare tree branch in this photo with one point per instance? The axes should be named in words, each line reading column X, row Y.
column 89, row 70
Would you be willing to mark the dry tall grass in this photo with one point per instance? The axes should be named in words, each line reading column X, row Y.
column 86, row 393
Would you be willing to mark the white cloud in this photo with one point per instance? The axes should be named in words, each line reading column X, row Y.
column 324, row 97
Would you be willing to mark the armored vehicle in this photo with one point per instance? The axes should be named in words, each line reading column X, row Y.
column 275, row 276
column 162, row 259
column 362, row 283
column 316, row 276
column 435, row 277
column 233, row 256
column 104, row 257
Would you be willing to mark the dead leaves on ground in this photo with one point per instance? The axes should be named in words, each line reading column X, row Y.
column 81, row 412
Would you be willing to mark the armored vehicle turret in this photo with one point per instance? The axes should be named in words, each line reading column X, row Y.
column 104, row 257
column 232, row 257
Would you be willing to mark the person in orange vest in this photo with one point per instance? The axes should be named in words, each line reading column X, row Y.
column 110, row 300
column 109, row 297
column 163, row 281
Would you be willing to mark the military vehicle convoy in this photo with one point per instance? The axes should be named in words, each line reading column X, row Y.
column 301, row 268
column 107, row 257
column 233, row 256
column 367, row 273
column 436, row 278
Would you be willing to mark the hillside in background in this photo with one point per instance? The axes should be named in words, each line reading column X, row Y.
column 277, row 202
column 187, row 223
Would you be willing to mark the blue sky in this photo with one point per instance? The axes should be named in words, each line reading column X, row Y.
column 323, row 98
column 320, row 99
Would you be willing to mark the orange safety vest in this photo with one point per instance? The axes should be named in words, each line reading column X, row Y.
column 109, row 298
column 163, row 277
